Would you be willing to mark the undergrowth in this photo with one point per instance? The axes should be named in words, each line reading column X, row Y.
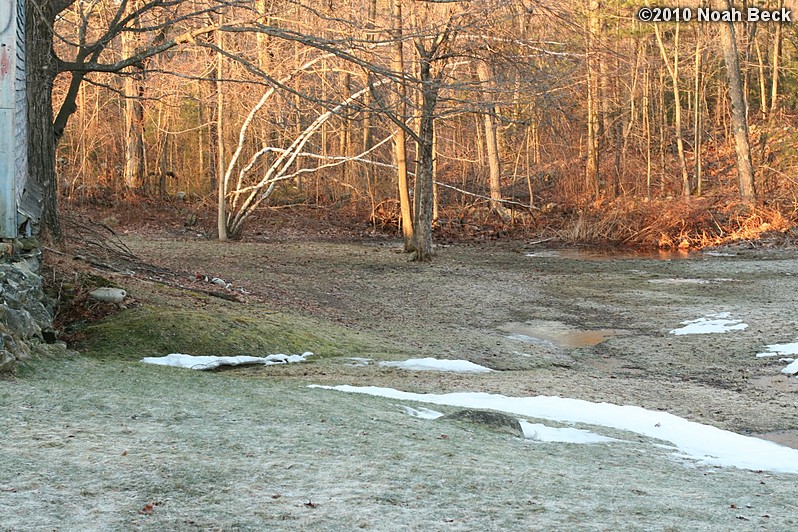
column 628, row 222
column 669, row 224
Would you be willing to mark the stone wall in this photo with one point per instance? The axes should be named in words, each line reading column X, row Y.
column 26, row 313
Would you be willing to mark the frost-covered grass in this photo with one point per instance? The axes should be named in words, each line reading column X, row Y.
column 103, row 444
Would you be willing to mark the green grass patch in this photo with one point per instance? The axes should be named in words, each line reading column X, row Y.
column 202, row 327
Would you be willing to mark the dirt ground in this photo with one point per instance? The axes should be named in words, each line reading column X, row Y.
column 98, row 441
column 530, row 313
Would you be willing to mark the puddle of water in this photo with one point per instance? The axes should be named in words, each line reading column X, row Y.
column 557, row 334
column 719, row 254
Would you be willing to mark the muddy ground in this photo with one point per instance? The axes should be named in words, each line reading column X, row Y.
column 98, row 441
column 529, row 312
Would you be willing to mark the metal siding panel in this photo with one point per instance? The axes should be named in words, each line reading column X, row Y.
column 13, row 117
column 21, row 105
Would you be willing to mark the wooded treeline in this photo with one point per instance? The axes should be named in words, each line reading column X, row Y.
column 419, row 107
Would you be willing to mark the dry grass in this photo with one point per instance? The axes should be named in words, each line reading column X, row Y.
column 671, row 224
column 664, row 223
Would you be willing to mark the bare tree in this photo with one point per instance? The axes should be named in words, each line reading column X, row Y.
column 133, row 92
column 400, row 139
column 745, row 169
column 492, row 143
column 673, row 70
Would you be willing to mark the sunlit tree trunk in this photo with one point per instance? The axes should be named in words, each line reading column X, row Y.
column 673, row 70
column 491, row 142
column 133, row 92
column 697, row 121
column 400, row 139
column 422, row 214
column 647, row 125
column 745, row 170
column 593, row 97
column 221, row 211
column 774, row 84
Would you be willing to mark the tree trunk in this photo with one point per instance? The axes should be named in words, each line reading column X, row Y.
column 774, row 86
column 221, row 210
column 697, row 121
column 593, row 103
column 745, row 169
column 400, row 139
column 41, row 72
column 133, row 91
column 677, row 104
column 492, row 144
column 422, row 219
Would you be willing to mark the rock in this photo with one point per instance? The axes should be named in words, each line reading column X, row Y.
column 21, row 322
column 25, row 310
column 494, row 421
column 108, row 295
column 110, row 221
column 7, row 361
column 30, row 244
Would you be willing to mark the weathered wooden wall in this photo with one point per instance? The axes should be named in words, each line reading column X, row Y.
column 13, row 114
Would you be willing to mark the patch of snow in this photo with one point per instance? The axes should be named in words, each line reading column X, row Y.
column 716, row 280
column 358, row 362
column 541, row 432
column 773, row 350
column 792, row 369
column 180, row 360
column 421, row 412
column 704, row 443
column 712, row 323
column 434, row 364
column 678, row 281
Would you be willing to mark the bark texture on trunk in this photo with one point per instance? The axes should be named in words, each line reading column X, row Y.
column 221, row 204
column 41, row 72
column 133, row 91
column 400, row 139
column 424, row 198
column 739, row 122
column 492, row 144
column 592, row 181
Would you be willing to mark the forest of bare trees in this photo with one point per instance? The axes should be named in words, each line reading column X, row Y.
column 423, row 113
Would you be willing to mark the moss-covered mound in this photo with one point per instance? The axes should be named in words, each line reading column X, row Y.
column 171, row 321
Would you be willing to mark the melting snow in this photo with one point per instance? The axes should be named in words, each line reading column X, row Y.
column 433, row 364
column 421, row 412
column 707, row 444
column 541, row 432
column 712, row 323
column 792, row 369
column 358, row 362
column 774, row 350
column 717, row 280
column 179, row 360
